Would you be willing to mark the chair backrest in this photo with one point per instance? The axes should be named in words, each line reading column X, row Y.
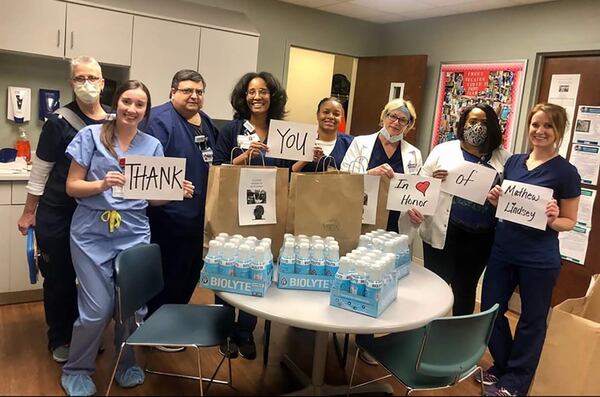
column 452, row 346
column 138, row 278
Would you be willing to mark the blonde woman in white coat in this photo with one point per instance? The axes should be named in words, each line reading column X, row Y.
column 457, row 240
column 385, row 153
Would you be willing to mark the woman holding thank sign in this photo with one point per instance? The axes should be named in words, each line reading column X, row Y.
column 103, row 225
column 457, row 220
column 527, row 257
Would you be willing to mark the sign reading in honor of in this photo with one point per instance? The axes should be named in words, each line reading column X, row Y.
column 524, row 204
column 413, row 191
column 291, row 141
column 154, row 178
column 469, row 181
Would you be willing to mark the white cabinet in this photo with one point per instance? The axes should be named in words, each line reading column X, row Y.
column 224, row 58
column 160, row 49
column 105, row 35
column 33, row 27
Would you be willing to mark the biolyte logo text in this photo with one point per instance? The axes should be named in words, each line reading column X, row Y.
column 229, row 283
column 308, row 283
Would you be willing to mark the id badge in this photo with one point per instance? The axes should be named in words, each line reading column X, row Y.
column 207, row 155
column 244, row 141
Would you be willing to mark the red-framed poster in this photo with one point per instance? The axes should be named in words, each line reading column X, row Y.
column 499, row 84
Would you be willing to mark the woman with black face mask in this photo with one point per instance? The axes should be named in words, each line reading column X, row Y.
column 457, row 240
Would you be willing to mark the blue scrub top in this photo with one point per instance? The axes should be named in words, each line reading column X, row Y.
column 342, row 143
column 228, row 140
column 89, row 152
column 177, row 137
column 524, row 245
column 379, row 157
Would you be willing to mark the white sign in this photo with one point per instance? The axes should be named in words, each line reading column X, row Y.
column 586, row 158
column 413, row 191
column 469, row 181
column 574, row 243
column 524, row 204
column 291, row 141
column 154, row 178
column 256, row 196
column 563, row 92
column 587, row 126
column 586, row 207
column 370, row 199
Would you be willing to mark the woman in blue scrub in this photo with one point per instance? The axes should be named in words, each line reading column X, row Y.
column 257, row 98
column 526, row 257
column 103, row 225
column 330, row 144
column 386, row 152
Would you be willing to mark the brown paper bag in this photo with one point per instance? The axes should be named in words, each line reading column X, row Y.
column 570, row 361
column 326, row 204
column 382, row 213
column 221, row 212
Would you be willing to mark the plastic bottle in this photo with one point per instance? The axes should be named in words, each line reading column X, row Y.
column 258, row 267
column 332, row 260
column 404, row 250
column 242, row 264
column 317, row 263
column 212, row 261
column 228, row 262
column 374, row 284
column 23, row 147
column 223, row 234
column 266, row 244
column 377, row 244
column 364, row 241
column 303, row 259
column 358, row 279
column 287, row 259
column 222, row 239
column 342, row 277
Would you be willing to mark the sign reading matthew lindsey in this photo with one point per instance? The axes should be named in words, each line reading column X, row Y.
column 524, row 204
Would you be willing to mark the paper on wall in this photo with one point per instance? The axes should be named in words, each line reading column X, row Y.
column 586, row 158
column 573, row 244
column 587, row 125
column 586, row 207
column 563, row 92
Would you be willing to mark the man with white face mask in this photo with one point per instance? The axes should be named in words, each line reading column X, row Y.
column 50, row 209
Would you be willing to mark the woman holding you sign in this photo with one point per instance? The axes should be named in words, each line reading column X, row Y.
column 526, row 257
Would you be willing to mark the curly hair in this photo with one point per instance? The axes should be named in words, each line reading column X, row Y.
column 276, row 91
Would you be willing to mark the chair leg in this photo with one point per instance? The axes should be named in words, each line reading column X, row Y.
column 112, row 377
column 200, row 371
column 267, row 338
column 345, row 353
column 481, row 383
column 353, row 371
column 408, row 391
column 230, row 380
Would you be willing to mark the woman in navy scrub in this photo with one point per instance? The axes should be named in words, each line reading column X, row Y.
column 330, row 143
column 526, row 257
column 257, row 99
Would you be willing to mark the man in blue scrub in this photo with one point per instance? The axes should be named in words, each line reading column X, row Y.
column 187, row 132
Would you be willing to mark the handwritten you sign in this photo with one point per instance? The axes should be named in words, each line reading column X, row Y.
column 291, row 141
column 469, row 181
column 154, row 178
column 524, row 204
column 413, row 191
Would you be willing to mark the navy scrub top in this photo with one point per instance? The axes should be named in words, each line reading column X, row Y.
column 342, row 143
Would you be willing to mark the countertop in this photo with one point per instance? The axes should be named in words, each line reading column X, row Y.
column 15, row 171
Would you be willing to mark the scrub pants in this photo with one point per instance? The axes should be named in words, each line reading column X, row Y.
column 516, row 359
column 460, row 263
column 94, row 249
column 52, row 231
column 244, row 326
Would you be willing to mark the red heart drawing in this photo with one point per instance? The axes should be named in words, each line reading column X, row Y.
column 422, row 186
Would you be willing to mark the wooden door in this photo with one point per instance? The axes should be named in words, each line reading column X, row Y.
column 373, row 79
column 574, row 279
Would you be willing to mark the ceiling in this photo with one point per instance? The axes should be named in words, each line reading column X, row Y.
column 386, row 11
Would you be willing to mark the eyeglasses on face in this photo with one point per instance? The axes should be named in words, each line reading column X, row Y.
column 400, row 119
column 190, row 91
column 83, row 79
column 261, row 93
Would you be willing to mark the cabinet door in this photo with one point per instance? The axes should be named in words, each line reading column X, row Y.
column 224, row 58
column 4, row 248
column 33, row 26
column 160, row 49
column 19, row 270
column 102, row 34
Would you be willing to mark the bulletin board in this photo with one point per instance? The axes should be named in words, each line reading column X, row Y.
column 499, row 84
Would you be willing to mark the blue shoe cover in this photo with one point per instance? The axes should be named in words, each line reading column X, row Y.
column 78, row 385
column 131, row 377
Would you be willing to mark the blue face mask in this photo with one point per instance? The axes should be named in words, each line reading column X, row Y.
column 390, row 138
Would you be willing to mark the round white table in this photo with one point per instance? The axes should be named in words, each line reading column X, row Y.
column 422, row 296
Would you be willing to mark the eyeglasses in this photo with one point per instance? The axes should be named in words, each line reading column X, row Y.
column 261, row 93
column 83, row 79
column 190, row 91
column 401, row 120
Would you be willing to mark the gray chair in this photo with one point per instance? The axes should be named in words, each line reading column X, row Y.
column 439, row 355
column 138, row 277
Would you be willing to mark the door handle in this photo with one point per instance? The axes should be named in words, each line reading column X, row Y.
column 71, row 39
column 58, row 37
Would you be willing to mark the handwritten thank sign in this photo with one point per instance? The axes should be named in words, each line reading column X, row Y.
column 469, row 181
column 291, row 141
column 524, row 204
column 413, row 191
column 154, row 178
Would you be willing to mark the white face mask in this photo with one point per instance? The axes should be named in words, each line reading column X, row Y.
column 87, row 92
column 390, row 138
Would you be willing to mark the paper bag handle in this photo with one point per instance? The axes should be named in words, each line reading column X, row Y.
column 324, row 159
column 359, row 162
column 249, row 155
